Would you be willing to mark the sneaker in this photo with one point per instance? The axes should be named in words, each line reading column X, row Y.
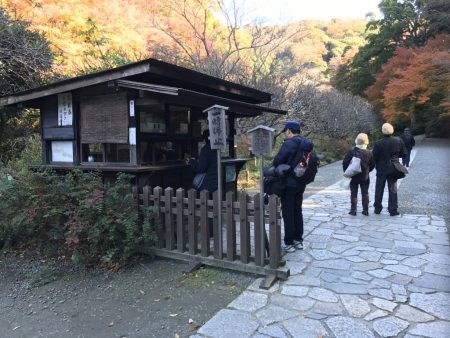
column 377, row 211
column 289, row 248
column 298, row 245
column 353, row 213
column 394, row 213
column 365, row 213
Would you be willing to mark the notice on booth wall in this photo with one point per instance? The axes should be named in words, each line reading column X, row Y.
column 65, row 111
column 132, row 136
column 131, row 108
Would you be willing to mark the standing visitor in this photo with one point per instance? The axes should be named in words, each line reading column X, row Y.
column 290, row 152
column 385, row 151
column 362, row 179
column 408, row 140
column 206, row 164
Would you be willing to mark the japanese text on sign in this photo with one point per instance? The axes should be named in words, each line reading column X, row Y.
column 65, row 111
column 217, row 129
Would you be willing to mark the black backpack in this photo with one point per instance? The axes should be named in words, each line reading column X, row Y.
column 312, row 163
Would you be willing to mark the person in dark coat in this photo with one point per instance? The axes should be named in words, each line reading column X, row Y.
column 206, row 163
column 408, row 140
column 290, row 152
column 362, row 179
column 385, row 151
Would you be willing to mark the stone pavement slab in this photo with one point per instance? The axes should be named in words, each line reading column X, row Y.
column 376, row 276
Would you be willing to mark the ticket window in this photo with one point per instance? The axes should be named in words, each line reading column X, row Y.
column 165, row 152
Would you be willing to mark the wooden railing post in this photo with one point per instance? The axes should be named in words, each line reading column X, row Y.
column 259, row 233
column 244, row 227
column 170, row 231
column 274, row 233
column 231, row 227
column 218, row 252
column 192, row 227
column 159, row 224
column 181, row 233
column 204, row 224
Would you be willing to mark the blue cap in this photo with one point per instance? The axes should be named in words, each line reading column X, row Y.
column 292, row 125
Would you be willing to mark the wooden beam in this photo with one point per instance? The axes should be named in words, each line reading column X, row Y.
column 281, row 273
column 76, row 83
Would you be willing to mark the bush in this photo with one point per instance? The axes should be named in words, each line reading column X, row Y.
column 91, row 222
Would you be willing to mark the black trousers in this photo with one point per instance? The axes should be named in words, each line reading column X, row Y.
column 406, row 158
column 291, row 208
column 364, row 194
column 379, row 190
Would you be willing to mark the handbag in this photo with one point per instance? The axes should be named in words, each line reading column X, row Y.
column 198, row 180
column 400, row 170
column 353, row 168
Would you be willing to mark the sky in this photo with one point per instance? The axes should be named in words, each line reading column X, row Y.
column 283, row 11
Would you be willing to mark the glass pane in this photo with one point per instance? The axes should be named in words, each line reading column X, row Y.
column 152, row 118
column 164, row 152
column 179, row 119
column 117, row 152
column 92, row 152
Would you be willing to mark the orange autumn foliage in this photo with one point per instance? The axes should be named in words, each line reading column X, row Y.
column 413, row 77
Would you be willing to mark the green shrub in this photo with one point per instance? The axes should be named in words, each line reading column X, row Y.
column 92, row 222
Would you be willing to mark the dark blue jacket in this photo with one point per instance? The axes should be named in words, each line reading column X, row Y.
column 290, row 153
column 206, row 163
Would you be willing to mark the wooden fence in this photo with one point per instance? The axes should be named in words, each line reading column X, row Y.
column 184, row 222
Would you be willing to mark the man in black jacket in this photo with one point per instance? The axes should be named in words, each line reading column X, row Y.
column 386, row 151
column 290, row 153
column 408, row 140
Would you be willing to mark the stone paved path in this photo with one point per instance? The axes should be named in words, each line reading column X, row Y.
column 376, row 276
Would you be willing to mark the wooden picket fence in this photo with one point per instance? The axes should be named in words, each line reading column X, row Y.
column 183, row 223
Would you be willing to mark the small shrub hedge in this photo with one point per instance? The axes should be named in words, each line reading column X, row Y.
column 91, row 222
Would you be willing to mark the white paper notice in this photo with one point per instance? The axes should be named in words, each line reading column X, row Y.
column 132, row 136
column 131, row 108
column 65, row 111
column 62, row 151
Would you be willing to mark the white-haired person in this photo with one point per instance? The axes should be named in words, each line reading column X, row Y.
column 386, row 151
column 362, row 179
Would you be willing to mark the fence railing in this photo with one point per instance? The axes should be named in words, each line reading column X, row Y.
column 187, row 228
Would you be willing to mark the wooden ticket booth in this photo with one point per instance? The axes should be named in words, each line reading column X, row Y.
column 143, row 118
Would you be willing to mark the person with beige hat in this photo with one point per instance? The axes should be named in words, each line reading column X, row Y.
column 362, row 179
column 386, row 151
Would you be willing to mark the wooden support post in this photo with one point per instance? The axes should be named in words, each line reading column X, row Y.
column 231, row 227
column 159, row 227
column 181, row 233
column 216, row 228
column 192, row 227
column 259, row 235
column 170, row 229
column 205, row 247
column 244, row 227
column 274, row 233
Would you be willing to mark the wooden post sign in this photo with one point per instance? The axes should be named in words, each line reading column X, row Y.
column 261, row 144
column 218, row 141
column 262, row 137
column 217, row 127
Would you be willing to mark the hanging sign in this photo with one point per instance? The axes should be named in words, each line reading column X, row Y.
column 65, row 111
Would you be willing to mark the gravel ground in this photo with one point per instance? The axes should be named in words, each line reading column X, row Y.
column 51, row 298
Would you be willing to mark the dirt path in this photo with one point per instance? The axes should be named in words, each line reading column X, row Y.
column 49, row 298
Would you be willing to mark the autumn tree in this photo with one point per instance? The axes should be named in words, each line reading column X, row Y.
column 25, row 59
column 402, row 25
column 412, row 88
